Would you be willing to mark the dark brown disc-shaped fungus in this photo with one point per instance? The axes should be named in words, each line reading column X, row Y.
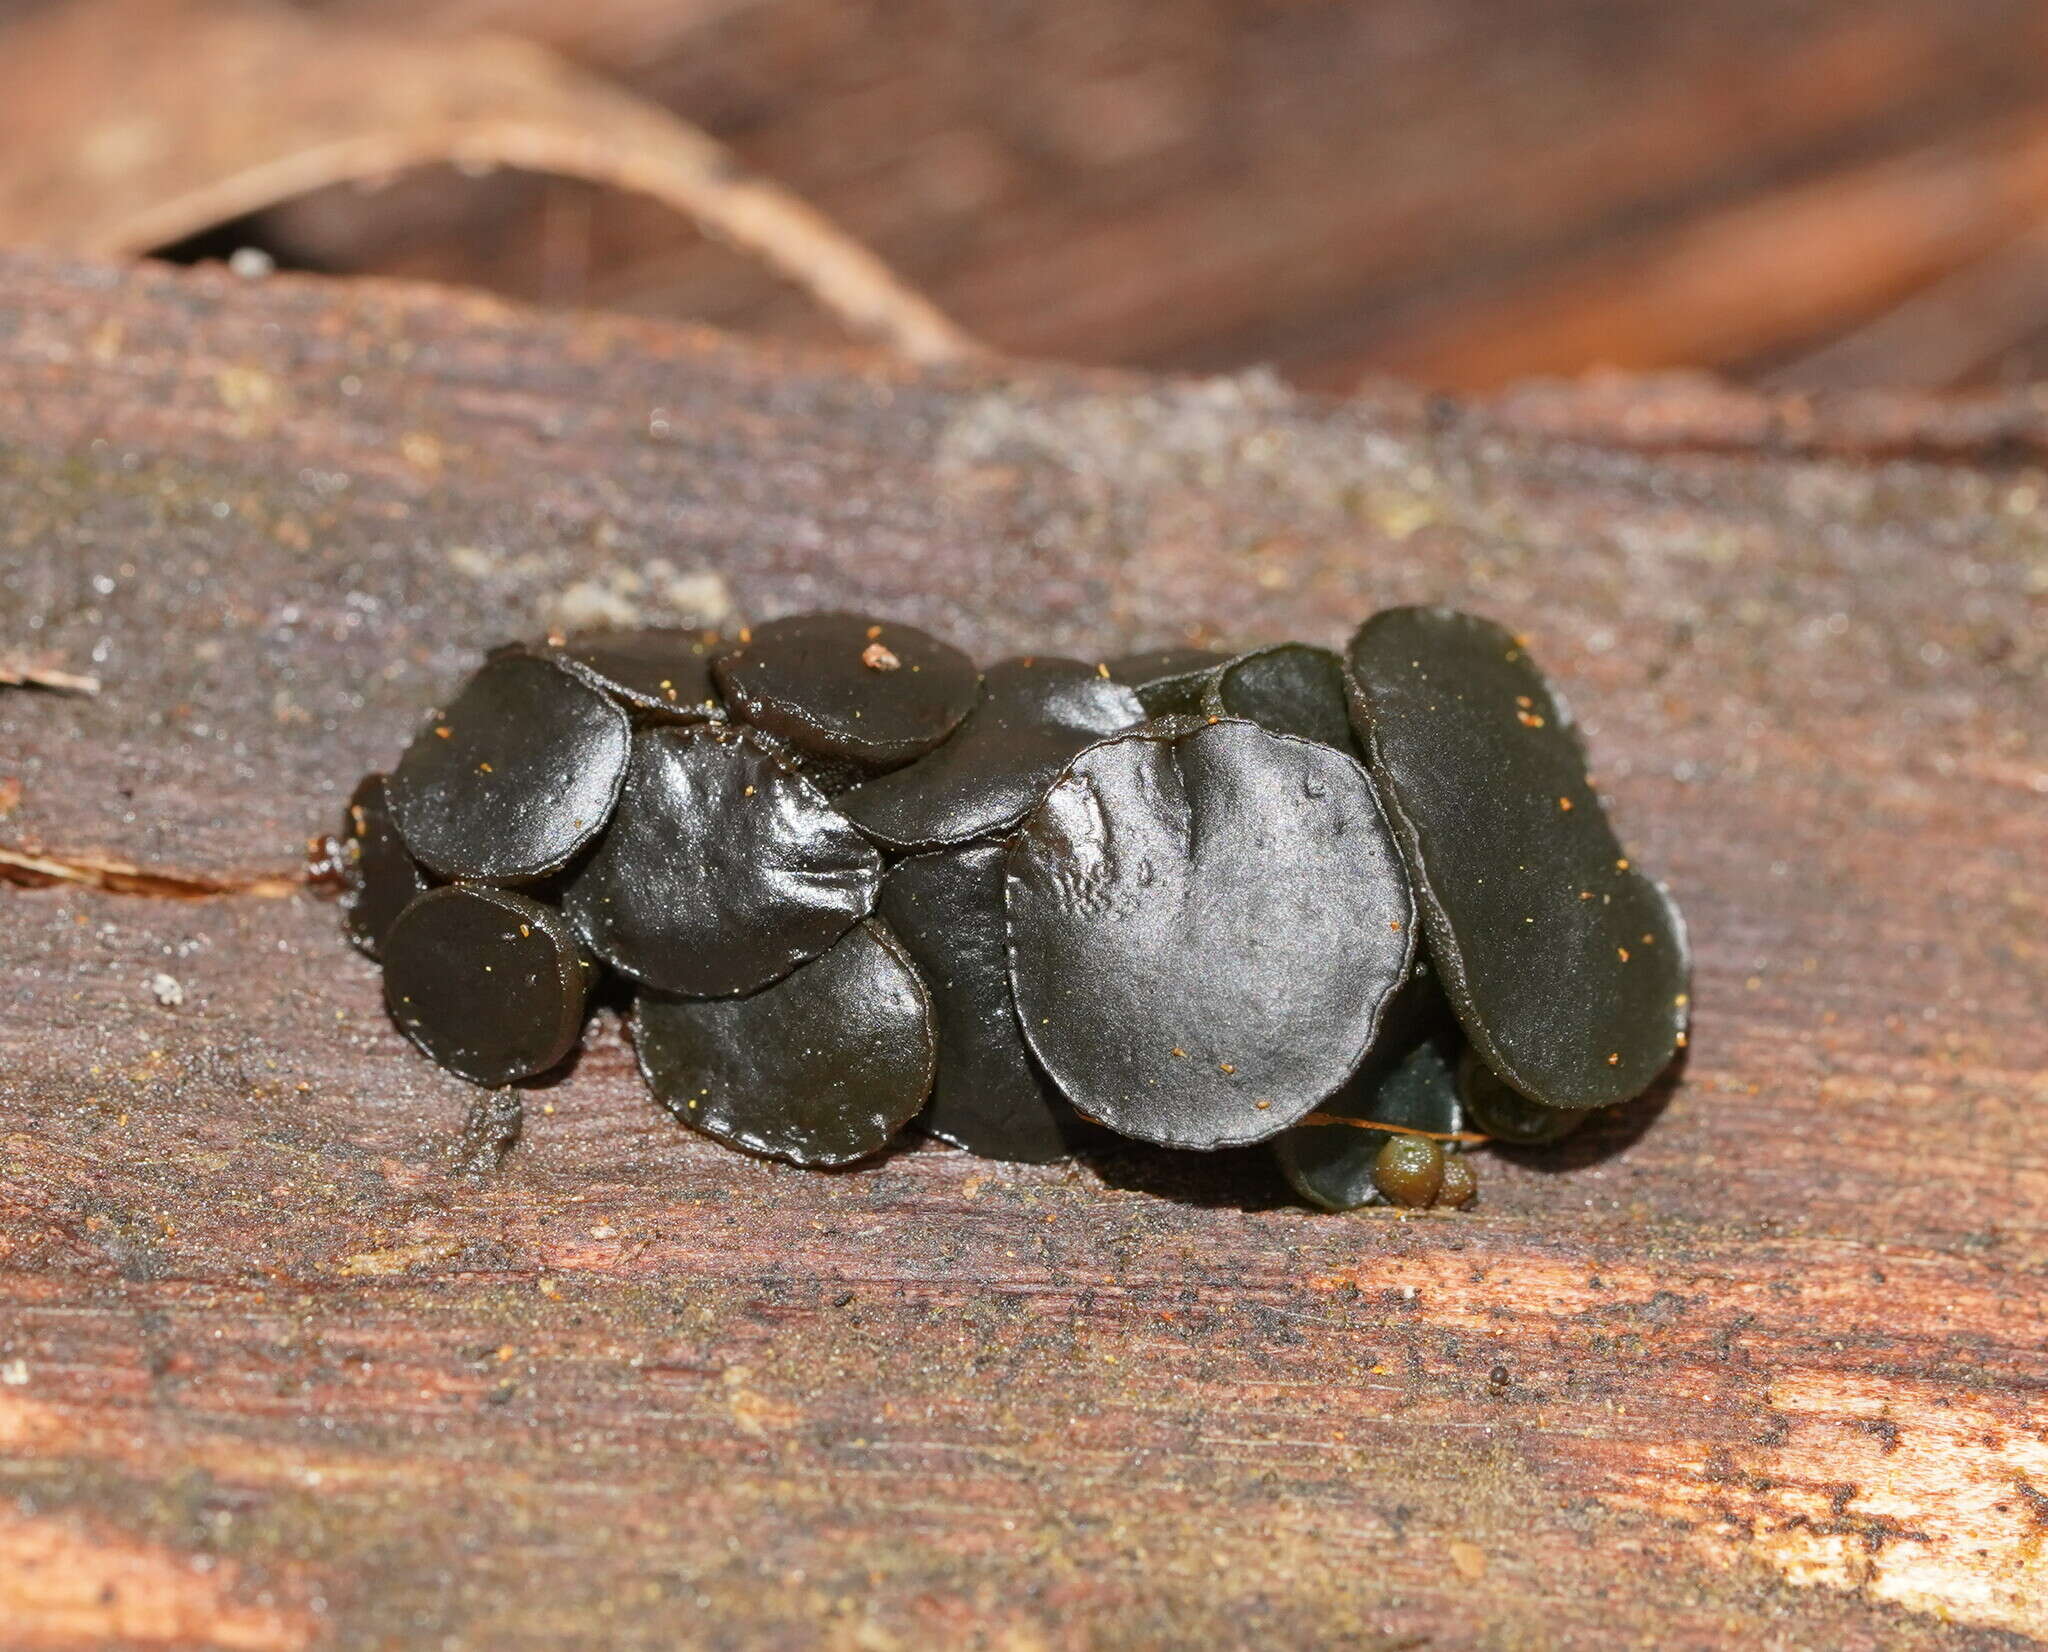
column 845, row 685
column 1499, row 1111
column 723, row 868
column 988, row 1095
column 1564, row 962
column 1408, row 1078
column 821, row 1068
column 1168, row 680
column 1033, row 717
column 1206, row 924
column 379, row 879
column 489, row 984
column 515, row 777
column 1290, row 688
column 662, row 671
column 1329, row 1157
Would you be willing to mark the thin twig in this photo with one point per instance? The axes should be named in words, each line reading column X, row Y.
column 34, row 870
column 56, row 682
column 1468, row 1136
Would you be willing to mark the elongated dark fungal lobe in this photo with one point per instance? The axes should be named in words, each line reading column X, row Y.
column 1565, row 963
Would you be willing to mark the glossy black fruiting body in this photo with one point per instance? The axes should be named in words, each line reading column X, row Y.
column 489, row 983
column 723, row 869
column 1566, row 965
column 1034, row 717
column 1205, row 927
column 988, row 1095
column 378, row 877
column 821, row 1068
column 1366, row 906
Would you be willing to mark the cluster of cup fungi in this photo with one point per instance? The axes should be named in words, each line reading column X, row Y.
column 1365, row 907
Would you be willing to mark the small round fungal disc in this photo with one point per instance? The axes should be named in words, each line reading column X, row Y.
column 1329, row 1157
column 844, row 685
column 821, row 1068
column 488, row 983
column 515, row 777
column 988, row 1095
column 1168, row 680
column 378, row 877
column 659, row 670
column 722, row 870
column 1566, row 964
column 1206, row 925
column 1290, row 688
column 1033, row 717
column 1505, row 1114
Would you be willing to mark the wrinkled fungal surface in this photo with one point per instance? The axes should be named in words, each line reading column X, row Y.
column 659, row 671
column 821, row 1068
column 1205, row 927
column 988, row 1095
column 1361, row 907
column 1565, row 963
column 1033, row 717
column 723, row 868
column 488, row 983
column 378, row 877
column 847, row 685
column 516, row 776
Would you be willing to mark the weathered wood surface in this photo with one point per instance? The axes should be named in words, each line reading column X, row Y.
column 1762, row 1364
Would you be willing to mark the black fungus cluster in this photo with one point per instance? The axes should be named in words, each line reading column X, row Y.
column 1367, row 908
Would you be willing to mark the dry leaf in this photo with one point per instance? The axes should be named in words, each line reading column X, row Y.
column 127, row 125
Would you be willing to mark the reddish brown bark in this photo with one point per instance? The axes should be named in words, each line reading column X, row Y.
column 273, row 1374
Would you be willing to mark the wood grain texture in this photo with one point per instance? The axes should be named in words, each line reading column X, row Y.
column 1761, row 1362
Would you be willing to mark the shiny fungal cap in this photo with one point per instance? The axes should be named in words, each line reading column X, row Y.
column 1290, row 688
column 1498, row 1110
column 488, row 983
column 515, row 777
column 1206, row 923
column 662, row 671
column 1566, row 965
column 1033, row 717
column 821, row 1068
column 846, row 685
column 378, row 877
column 723, row 869
column 988, row 1095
